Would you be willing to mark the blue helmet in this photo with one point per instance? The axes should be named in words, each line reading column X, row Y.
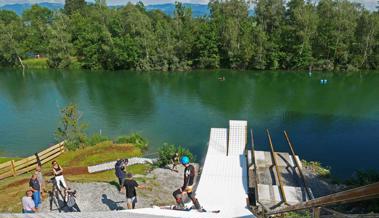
column 184, row 160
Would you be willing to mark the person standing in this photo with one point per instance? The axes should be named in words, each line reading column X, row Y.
column 36, row 188
column 130, row 186
column 58, row 175
column 40, row 179
column 175, row 161
column 188, row 183
column 28, row 205
column 119, row 171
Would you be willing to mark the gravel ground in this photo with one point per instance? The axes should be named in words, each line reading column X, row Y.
column 101, row 196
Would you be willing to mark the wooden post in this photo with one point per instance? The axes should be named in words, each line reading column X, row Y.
column 37, row 159
column 13, row 168
column 316, row 212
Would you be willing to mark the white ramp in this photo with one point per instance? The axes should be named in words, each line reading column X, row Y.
column 237, row 137
column 223, row 182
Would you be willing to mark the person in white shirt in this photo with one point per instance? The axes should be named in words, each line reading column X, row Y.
column 28, row 205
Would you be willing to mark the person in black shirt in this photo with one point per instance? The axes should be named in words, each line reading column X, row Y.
column 188, row 182
column 130, row 186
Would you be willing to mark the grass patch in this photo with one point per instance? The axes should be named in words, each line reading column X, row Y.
column 12, row 190
column 36, row 63
column 100, row 153
column 6, row 159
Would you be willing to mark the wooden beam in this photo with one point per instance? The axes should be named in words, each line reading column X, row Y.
column 306, row 187
column 273, row 153
column 353, row 195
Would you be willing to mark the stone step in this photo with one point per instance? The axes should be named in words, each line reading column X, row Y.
column 270, row 194
column 264, row 159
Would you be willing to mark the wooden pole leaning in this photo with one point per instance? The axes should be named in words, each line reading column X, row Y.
column 273, row 153
column 297, row 162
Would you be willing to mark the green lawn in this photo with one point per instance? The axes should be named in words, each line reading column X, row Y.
column 34, row 63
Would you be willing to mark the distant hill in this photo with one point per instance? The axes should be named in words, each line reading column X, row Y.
column 198, row 10
column 20, row 8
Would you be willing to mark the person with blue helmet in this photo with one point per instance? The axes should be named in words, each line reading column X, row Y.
column 189, row 180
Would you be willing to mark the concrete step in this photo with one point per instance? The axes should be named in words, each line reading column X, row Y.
column 270, row 194
column 264, row 159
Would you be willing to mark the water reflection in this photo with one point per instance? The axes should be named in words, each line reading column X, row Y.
column 181, row 107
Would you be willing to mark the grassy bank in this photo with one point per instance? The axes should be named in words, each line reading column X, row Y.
column 34, row 63
column 42, row 63
column 75, row 170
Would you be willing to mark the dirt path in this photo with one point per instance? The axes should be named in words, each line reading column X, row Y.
column 105, row 196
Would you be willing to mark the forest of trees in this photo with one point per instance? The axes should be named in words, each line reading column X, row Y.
column 329, row 35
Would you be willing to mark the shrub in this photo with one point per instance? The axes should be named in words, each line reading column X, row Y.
column 167, row 152
column 135, row 139
column 317, row 168
column 96, row 139
column 71, row 130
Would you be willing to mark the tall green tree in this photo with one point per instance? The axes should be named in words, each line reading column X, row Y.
column 298, row 32
column 60, row 48
column 336, row 28
column 270, row 16
column 367, row 34
column 205, row 51
column 234, row 29
column 72, row 6
column 11, row 41
column 36, row 21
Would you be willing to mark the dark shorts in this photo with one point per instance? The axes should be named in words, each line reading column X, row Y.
column 121, row 181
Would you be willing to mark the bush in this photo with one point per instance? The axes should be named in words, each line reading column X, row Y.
column 167, row 152
column 71, row 130
column 96, row 139
column 317, row 168
column 135, row 139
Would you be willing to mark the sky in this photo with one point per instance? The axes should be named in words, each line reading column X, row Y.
column 370, row 4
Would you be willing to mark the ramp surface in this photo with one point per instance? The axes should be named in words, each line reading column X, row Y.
column 223, row 182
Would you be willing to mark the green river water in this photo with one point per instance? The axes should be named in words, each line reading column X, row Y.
column 336, row 123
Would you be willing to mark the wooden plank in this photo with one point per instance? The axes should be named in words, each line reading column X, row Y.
column 6, row 175
column 52, row 152
column 297, row 162
column 353, row 195
column 4, row 170
column 4, row 165
column 57, row 146
column 51, row 157
column 276, row 167
column 33, row 166
column 25, row 163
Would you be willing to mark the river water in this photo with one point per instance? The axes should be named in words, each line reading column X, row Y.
column 336, row 123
